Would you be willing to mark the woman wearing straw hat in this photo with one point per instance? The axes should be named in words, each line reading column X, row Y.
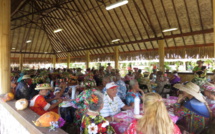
column 194, row 113
column 39, row 105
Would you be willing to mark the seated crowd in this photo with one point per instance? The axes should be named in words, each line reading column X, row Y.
column 101, row 94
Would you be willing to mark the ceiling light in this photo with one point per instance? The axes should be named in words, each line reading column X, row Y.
column 58, row 30
column 58, row 51
column 13, row 48
column 117, row 4
column 28, row 41
column 45, row 52
column 115, row 40
column 171, row 29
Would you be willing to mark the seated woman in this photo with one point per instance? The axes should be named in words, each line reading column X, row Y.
column 144, row 81
column 112, row 103
column 194, row 113
column 209, row 92
column 154, row 121
column 134, row 90
column 39, row 105
column 161, row 81
column 92, row 122
column 175, row 78
column 81, row 102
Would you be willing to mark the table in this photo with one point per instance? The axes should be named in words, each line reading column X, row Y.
column 128, row 116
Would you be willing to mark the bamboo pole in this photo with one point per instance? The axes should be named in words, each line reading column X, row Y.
column 161, row 54
column 214, row 24
column 68, row 60
column 87, row 59
column 116, row 54
column 54, row 61
column 5, row 46
column 21, row 62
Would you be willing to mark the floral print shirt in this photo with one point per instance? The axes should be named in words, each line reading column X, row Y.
column 95, row 125
column 188, row 119
column 132, row 129
column 81, row 104
column 121, row 89
column 130, row 97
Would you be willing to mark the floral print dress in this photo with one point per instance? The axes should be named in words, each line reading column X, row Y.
column 95, row 125
column 130, row 97
column 190, row 120
column 81, row 104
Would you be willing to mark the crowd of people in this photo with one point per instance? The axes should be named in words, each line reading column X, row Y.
column 101, row 94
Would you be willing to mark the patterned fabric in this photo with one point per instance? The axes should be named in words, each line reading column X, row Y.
column 190, row 120
column 199, row 81
column 145, row 81
column 39, row 105
column 196, row 68
column 81, row 104
column 121, row 89
column 111, row 107
column 132, row 129
column 130, row 97
column 95, row 125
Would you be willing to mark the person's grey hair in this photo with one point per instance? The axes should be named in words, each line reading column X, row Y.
column 95, row 107
column 132, row 83
column 106, row 79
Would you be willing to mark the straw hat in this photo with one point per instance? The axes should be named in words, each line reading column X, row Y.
column 26, row 77
column 43, row 86
column 191, row 89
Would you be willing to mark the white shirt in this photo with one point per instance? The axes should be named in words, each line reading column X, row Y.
column 111, row 107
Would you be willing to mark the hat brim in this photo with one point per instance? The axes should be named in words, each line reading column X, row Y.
column 113, row 87
column 198, row 96
column 26, row 78
column 41, row 88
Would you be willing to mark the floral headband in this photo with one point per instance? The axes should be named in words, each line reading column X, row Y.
column 94, row 99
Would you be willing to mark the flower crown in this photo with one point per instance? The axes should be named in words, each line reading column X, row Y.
column 94, row 99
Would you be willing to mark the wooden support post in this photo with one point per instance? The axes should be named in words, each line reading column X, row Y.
column 21, row 62
column 54, row 61
column 214, row 24
column 161, row 54
column 5, row 6
column 116, row 54
column 87, row 59
column 68, row 60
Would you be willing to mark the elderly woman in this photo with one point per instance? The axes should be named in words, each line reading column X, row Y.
column 92, row 122
column 38, row 103
column 154, row 121
column 194, row 113
column 134, row 90
column 112, row 103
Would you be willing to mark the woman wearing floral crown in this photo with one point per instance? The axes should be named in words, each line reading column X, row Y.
column 92, row 122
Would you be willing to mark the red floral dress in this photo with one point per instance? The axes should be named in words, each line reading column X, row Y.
column 40, row 106
column 132, row 129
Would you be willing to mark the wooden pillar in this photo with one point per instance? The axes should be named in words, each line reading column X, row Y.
column 54, row 61
column 161, row 54
column 87, row 59
column 214, row 23
column 68, row 60
column 21, row 62
column 116, row 54
column 5, row 46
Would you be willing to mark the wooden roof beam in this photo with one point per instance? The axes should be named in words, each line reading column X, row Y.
column 153, row 39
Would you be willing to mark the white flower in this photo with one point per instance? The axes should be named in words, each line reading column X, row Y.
column 92, row 128
column 106, row 123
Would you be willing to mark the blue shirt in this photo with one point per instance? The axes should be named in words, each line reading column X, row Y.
column 130, row 97
column 197, row 107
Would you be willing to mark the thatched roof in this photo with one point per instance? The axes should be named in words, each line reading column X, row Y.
column 87, row 25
